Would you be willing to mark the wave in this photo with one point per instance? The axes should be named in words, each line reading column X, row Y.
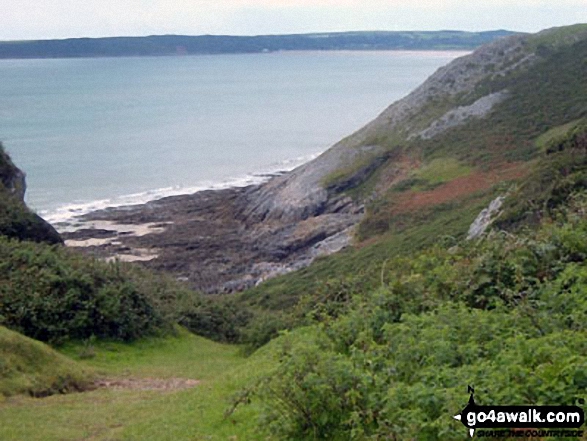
column 66, row 216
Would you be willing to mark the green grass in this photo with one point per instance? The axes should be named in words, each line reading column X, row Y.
column 109, row 414
column 557, row 133
column 31, row 367
column 436, row 172
column 442, row 170
column 558, row 36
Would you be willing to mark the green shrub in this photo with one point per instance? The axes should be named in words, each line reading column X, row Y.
column 507, row 314
column 220, row 319
column 51, row 294
column 408, row 382
column 561, row 171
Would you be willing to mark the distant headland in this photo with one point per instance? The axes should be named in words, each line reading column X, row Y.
column 166, row 45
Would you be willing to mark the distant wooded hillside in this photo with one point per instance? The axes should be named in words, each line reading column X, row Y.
column 220, row 44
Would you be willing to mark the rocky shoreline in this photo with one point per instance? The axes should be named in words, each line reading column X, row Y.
column 211, row 239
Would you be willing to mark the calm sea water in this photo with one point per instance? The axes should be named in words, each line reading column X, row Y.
column 92, row 133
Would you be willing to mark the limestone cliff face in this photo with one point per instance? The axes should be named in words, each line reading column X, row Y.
column 16, row 219
column 446, row 99
column 302, row 192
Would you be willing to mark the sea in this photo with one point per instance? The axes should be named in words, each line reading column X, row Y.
column 98, row 132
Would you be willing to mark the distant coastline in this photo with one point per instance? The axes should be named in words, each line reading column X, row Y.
column 178, row 45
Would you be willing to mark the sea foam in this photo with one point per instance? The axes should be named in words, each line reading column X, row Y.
column 66, row 217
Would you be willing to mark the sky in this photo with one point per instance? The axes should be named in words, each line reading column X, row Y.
column 46, row 19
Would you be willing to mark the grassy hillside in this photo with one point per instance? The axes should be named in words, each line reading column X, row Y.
column 448, row 179
column 31, row 367
column 505, row 314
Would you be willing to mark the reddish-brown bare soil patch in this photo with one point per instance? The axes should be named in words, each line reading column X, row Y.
column 457, row 188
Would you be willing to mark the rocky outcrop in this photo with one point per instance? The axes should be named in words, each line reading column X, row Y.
column 11, row 177
column 458, row 116
column 16, row 219
column 484, row 220
column 302, row 193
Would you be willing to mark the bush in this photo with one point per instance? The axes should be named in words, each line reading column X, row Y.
column 561, row 171
column 409, row 381
column 507, row 315
column 217, row 318
column 50, row 294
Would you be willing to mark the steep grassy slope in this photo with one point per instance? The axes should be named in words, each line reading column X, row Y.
column 431, row 188
column 467, row 90
column 30, row 367
column 505, row 314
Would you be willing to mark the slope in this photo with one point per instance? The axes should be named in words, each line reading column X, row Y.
column 434, row 160
column 28, row 366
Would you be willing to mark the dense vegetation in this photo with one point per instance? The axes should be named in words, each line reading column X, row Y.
column 49, row 295
column 53, row 294
column 219, row 44
column 507, row 314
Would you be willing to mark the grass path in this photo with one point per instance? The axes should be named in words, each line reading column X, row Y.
column 196, row 413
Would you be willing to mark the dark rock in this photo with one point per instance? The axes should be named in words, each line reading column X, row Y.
column 16, row 219
column 208, row 239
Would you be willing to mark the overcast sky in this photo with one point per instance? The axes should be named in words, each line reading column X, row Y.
column 37, row 19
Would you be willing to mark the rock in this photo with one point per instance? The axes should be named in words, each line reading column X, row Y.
column 16, row 219
column 301, row 193
column 207, row 240
column 485, row 218
column 461, row 114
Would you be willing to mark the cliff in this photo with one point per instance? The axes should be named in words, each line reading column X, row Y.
column 16, row 219
column 449, row 98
